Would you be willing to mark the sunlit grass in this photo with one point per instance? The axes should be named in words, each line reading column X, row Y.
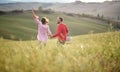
column 86, row 53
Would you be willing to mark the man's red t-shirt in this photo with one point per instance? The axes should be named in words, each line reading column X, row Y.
column 62, row 32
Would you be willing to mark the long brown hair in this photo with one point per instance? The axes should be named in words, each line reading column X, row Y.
column 44, row 20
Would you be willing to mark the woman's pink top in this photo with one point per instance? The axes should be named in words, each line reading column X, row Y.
column 43, row 30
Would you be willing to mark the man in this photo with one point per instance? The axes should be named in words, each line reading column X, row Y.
column 62, row 31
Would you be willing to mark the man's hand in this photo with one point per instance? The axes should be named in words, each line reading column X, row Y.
column 51, row 36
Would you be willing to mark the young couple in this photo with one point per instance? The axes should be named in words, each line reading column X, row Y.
column 44, row 30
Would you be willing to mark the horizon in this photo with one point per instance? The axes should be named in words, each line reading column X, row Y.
column 51, row 1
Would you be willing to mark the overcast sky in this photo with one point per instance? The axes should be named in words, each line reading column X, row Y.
column 65, row 1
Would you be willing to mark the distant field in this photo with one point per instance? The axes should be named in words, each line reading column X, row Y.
column 21, row 26
column 108, row 9
column 86, row 53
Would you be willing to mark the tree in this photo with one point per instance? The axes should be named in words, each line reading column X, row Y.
column 40, row 8
column 2, row 12
column 98, row 15
column 118, row 18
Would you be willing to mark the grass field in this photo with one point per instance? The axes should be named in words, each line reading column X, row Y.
column 21, row 26
column 86, row 53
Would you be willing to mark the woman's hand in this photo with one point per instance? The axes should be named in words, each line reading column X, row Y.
column 51, row 36
column 33, row 13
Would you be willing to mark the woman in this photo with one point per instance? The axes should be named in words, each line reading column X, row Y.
column 43, row 29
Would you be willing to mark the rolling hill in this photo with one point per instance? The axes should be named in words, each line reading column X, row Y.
column 21, row 26
column 23, row 6
column 107, row 9
column 95, row 47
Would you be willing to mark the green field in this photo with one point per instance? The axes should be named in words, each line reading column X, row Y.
column 86, row 53
column 21, row 26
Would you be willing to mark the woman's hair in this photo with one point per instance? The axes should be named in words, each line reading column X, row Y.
column 44, row 20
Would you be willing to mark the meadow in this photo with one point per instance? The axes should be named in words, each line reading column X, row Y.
column 95, row 47
column 86, row 53
column 21, row 26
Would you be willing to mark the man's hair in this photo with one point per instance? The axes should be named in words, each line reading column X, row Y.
column 61, row 18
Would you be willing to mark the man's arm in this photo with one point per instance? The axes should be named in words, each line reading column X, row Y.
column 67, row 30
column 57, row 33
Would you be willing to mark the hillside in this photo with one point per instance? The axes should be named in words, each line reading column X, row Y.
column 21, row 26
column 107, row 9
column 23, row 6
column 86, row 53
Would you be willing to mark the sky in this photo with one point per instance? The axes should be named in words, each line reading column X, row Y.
column 62, row 1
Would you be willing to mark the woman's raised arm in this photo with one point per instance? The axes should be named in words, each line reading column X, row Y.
column 35, row 17
column 33, row 13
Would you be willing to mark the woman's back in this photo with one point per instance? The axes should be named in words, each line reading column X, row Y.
column 43, row 29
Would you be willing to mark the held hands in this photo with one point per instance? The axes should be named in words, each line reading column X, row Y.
column 51, row 36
